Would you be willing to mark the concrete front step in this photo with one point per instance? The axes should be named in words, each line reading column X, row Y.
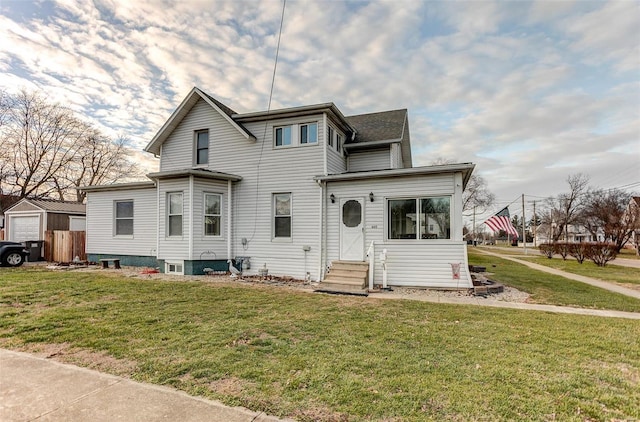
column 339, row 288
column 349, row 265
column 359, row 282
column 360, row 275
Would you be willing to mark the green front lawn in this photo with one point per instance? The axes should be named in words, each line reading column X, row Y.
column 611, row 272
column 316, row 357
column 550, row 289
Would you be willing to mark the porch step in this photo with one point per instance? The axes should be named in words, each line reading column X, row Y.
column 339, row 288
column 349, row 275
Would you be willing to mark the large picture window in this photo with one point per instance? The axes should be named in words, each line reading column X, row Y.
column 419, row 218
column 282, row 215
column 123, row 218
column 202, row 147
column 212, row 214
column 174, row 214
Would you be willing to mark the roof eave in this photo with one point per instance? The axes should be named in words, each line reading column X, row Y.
column 118, row 186
column 206, row 174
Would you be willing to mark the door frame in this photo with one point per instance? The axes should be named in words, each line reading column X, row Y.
column 363, row 203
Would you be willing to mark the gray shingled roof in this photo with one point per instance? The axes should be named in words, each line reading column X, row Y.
column 381, row 126
column 223, row 107
column 59, row 206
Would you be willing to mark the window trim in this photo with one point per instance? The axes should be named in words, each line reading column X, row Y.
column 417, row 199
column 116, row 218
column 205, row 215
column 330, row 135
column 176, row 264
column 339, row 142
column 275, row 136
column 300, row 126
column 168, row 223
column 196, row 149
column 274, row 217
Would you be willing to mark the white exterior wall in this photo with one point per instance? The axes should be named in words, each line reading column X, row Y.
column 100, row 238
column 275, row 170
column 174, row 248
column 209, row 247
column 377, row 159
column 396, row 156
column 416, row 262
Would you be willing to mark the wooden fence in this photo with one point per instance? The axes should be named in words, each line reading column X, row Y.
column 64, row 246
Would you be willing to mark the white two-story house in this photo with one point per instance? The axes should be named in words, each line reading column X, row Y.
column 292, row 190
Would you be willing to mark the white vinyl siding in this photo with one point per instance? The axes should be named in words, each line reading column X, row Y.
column 377, row 159
column 410, row 263
column 173, row 247
column 100, row 223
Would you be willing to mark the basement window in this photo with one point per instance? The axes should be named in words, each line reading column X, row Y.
column 173, row 268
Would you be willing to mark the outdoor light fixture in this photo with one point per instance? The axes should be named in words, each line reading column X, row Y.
column 333, row 198
column 371, row 196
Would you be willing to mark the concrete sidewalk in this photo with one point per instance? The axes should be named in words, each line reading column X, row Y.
column 587, row 280
column 33, row 388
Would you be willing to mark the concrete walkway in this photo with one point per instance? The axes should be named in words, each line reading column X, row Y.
column 587, row 280
column 479, row 301
column 37, row 389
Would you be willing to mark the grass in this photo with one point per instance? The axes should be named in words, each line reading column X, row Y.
column 315, row 357
column 551, row 289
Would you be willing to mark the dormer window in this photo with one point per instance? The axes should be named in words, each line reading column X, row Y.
column 339, row 143
column 330, row 135
column 202, row 147
column 309, row 133
column 283, row 136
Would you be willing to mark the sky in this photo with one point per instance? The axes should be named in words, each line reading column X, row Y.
column 529, row 91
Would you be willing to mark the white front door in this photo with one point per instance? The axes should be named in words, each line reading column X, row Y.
column 352, row 229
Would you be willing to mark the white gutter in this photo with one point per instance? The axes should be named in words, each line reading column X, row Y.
column 158, row 220
column 326, row 142
column 229, row 219
column 321, row 229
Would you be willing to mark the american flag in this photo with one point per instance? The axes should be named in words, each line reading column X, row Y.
column 502, row 221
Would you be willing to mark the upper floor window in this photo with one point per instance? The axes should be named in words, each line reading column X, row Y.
column 339, row 143
column 174, row 213
column 283, row 136
column 282, row 215
column 212, row 214
column 309, row 133
column 202, row 147
column 330, row 133
column 123, row 218
column 419, row 218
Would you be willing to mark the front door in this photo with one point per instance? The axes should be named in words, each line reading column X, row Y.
column 352, row 229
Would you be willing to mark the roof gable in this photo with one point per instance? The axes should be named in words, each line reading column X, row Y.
column 50, row 205
column 381, row 126
column 183, row 109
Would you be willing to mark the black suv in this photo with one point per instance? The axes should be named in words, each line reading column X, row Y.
column 12, row 254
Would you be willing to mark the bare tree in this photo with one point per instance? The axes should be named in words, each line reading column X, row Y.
column 607, row 211
column 476, row 193
column 565, row 209
column 47, row 150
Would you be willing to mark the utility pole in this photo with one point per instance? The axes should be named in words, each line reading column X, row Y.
column 524, row 233
column 535, row 226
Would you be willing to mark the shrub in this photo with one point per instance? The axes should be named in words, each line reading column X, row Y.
column 562, row 249
column 580, row 251
column 547, row 249
column 601, row 253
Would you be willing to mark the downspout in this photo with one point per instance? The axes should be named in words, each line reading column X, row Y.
column 321, row 228
column 229, row 219
column 191, row 218
column 157, row 218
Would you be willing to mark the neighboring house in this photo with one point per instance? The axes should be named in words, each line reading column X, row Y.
column 574, row 233
column 293, row 190
column 29, row 219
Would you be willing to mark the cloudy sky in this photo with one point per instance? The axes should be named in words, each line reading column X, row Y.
column 529, row 91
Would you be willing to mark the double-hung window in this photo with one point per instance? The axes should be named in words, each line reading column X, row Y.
column 309, row 133
column 212, row 214
column 123, row 218
column 283, row 136
column 419, row 218
column 339, row 143
column 282, row 215
column 174, row 214
column 202, row 147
